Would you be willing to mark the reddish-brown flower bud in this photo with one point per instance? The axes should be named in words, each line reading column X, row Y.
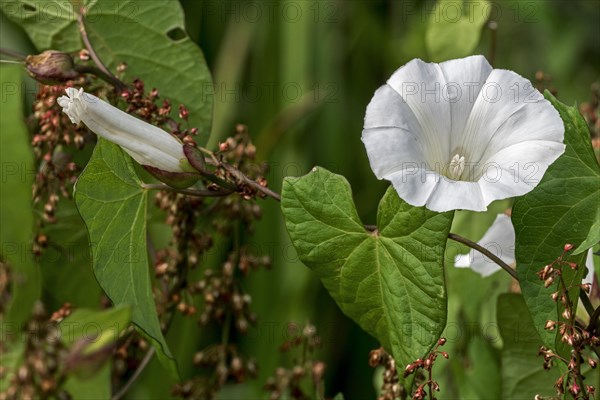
column 51, row 67
column 550, row 325
column 568, row 247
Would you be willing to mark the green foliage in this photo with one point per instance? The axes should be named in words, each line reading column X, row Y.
column 100, row 330
column 112, row 203
column 523, row 374
column 556, row 212
column 16, row 217
column 454, row 28
column 390, row 281
column 147, row 35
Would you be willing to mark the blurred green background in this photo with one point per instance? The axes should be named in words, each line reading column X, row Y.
column 300, row 74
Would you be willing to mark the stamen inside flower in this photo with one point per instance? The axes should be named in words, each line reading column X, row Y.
column 456, row 167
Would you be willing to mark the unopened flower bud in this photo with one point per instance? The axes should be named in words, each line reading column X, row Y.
column 158, row 151
column 51, row 67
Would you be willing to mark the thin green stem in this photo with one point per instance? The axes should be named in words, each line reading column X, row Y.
column 189, row 192
column 145, row 361
column 109, row 78
column 105, row 72
column 12, row 53
column 485, row 252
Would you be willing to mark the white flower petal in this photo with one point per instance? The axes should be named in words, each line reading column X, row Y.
column 510, row 172
column 503, row 94
column 420, row 85
column 465, row 78
column 396, row 148
column 145, row 143
column 452, row 195
column 388, row 109
column 535, row 121
column 414, row 184
column 589, row 263
column 500, row 240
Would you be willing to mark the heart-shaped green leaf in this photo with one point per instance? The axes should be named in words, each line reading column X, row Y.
column 562, row 209
column 389, row 281
column 112, row 203
column 523, row 375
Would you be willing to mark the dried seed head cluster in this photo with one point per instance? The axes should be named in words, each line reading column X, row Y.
column 128, row 355
column 591, row 112
column 41, row 372
column 391, row 388
column 216, row 299
column 225, row 363
column 150, row 108
column 53, row 135
column 222, row 297
column 239, row 152
column 427, row 366
column 291, row 382
column 576, row 337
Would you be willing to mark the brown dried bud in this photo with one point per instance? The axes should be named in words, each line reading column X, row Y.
column 84, row 55
column 318, row 370
column 236, row 365
column 51, row 67
column 183, row 112
column 409, row 370
column 374, row 358
column 587, row 287
column 568, row 247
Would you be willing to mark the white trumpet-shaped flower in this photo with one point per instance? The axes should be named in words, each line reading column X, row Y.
column 459, row 134
column 145, row 143
column 500, row 241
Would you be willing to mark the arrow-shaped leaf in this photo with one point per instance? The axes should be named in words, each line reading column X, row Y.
column 112, row 203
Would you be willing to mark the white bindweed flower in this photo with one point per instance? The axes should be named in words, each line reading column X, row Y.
column 459, row 134
column 145, row 143
column 500, row 241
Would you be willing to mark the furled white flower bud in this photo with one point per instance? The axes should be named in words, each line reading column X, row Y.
column 146, row 143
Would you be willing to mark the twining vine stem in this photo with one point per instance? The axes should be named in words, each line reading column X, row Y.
column 102, row 71
column 485, row 252
column 145, row 361
column 189, row 192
